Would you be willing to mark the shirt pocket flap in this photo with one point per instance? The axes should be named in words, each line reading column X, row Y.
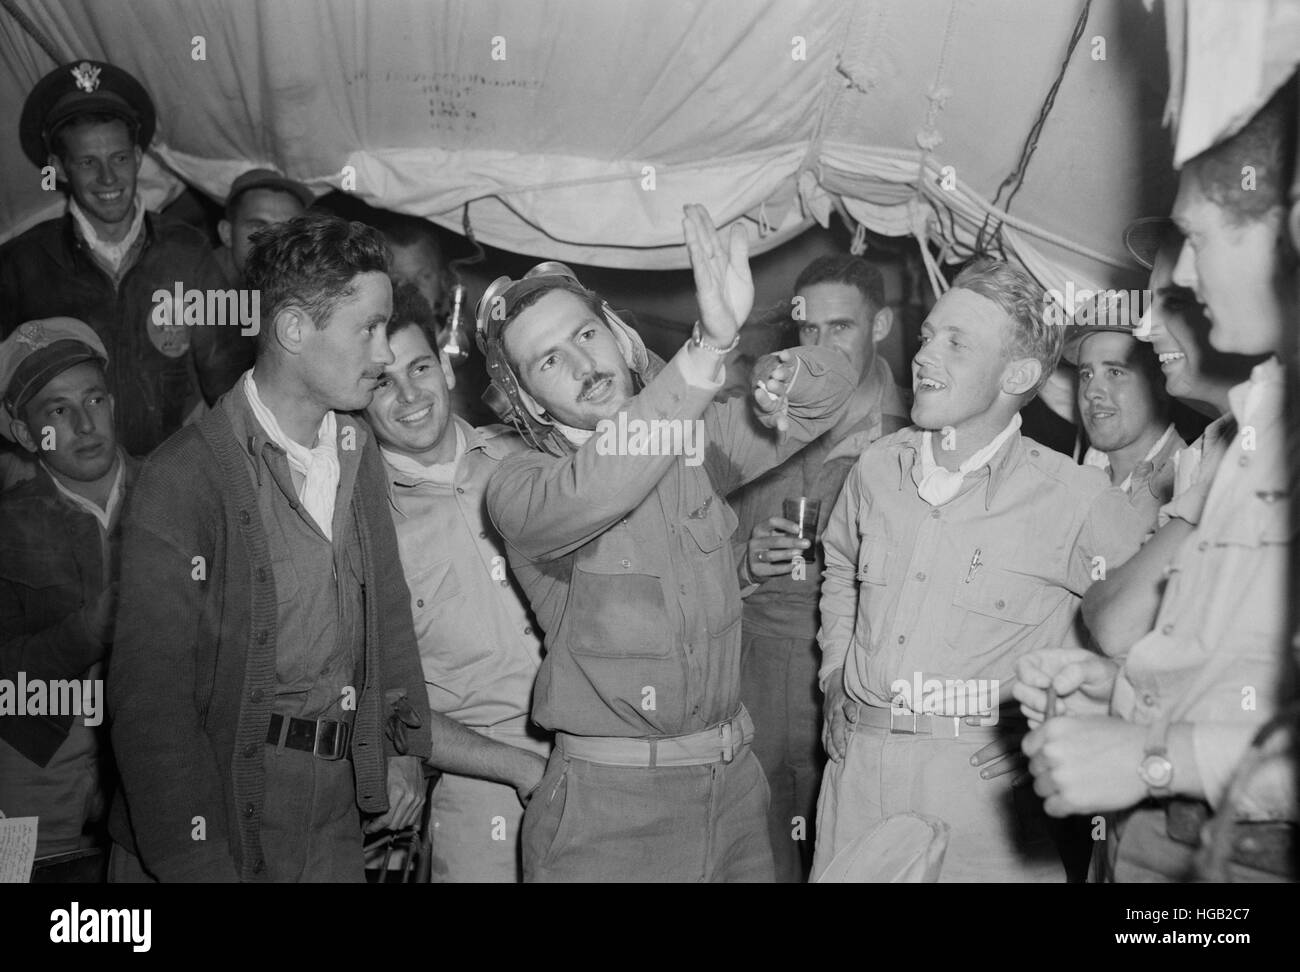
column 435, row 584
column 873, row 560
column 1004, row 595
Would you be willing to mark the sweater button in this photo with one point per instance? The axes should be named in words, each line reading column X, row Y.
column 250, row 750
column 261, row 637
column 255, row 695
column 249, row 810
column 243, row 517
column 261, row 574
column 259, row 867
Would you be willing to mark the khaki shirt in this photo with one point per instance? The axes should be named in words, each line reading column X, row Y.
column 1214, row 657
column 479, row 646
column 962, row 590
column 627, row 562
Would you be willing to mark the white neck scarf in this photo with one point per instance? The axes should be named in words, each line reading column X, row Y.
column 112, row 253
column 1101, row 460
column 937, row 485
column 319, row 465
column 438, row 473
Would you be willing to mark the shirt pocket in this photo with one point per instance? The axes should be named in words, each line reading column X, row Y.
column 710, row 534
column 616, row 603
column 994, row 607
column 874, row 554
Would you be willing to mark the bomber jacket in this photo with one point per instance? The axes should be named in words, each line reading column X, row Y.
column 158, row 375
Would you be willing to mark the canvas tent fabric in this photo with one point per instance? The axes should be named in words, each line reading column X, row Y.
column 576, row 129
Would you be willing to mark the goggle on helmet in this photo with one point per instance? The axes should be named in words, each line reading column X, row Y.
column 505, row 395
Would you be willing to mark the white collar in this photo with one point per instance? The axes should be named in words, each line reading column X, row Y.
column 113, row 253
column 103, row 515
column 1101, row 460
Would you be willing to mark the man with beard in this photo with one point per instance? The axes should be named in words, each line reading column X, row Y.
column 621, row 544
column 265, row 685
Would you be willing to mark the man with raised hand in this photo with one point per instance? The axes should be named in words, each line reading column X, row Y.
column 265, row 689
column 622, row 548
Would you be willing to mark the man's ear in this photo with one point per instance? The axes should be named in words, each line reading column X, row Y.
column 22, row 433
column 290, row 328
column 1021, row 375
column 882, row 324
column 139, row 159
column 223, row 232
column 60, row 173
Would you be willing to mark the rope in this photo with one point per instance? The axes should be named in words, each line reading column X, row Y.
column 1017, row 176
column 32, row 31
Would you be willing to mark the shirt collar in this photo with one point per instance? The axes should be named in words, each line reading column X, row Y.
column 113, row 253
column 103, row 515
column 1244, row 399
column 1000, row 465
column 1101, row 460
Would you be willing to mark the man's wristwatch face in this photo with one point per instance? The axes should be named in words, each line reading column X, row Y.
column 1157, row 773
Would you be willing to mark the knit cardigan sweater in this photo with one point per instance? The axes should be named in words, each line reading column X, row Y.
column 192, row 674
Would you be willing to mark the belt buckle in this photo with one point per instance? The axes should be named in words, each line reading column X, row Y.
column 729, row 746
column 340, row 740
column 903, row 729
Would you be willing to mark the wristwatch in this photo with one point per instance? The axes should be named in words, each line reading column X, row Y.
column 698, row 340
column 1157, row 772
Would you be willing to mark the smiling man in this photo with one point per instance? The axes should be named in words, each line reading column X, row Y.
column 1155, row 732
column 1125, row 411
column 625, row 558
column 104, row 260
column 955, row 547
column 479, row 645
column 265, row 679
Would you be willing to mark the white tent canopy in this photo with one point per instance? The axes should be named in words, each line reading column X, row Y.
column 576, row 129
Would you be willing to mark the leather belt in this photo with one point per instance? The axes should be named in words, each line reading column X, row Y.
column 717, row 744
column 908, row 723
column 323, row 738
column 1265, row 845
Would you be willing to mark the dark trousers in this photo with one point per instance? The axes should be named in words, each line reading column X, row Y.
column 778, row 685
